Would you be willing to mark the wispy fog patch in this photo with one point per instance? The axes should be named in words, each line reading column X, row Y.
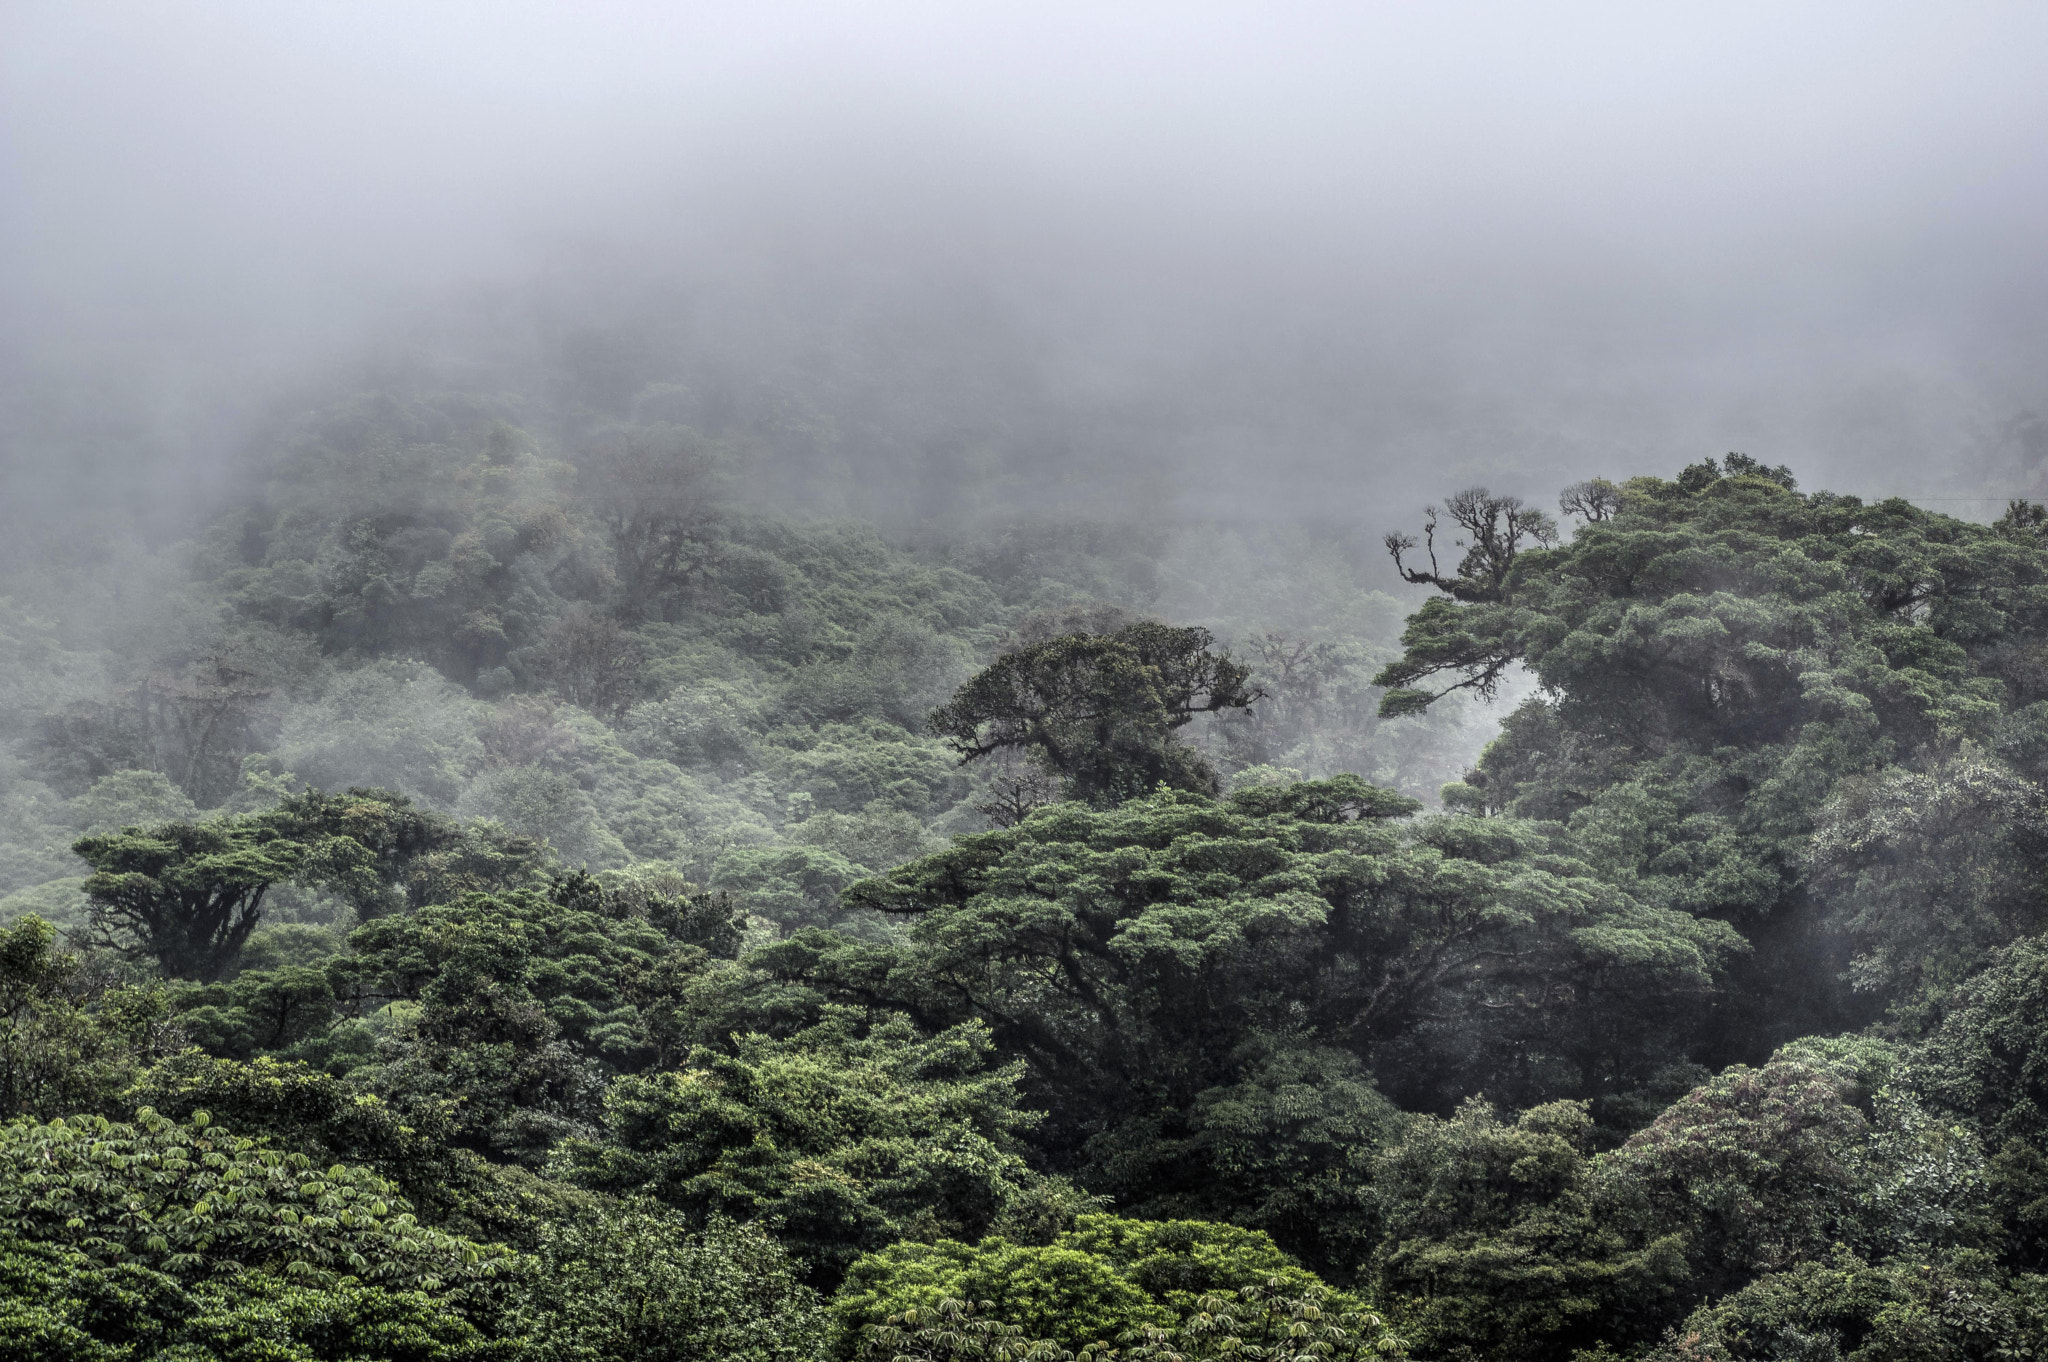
column 1267, row 260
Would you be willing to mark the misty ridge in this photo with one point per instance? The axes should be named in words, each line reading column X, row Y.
column 886, row 682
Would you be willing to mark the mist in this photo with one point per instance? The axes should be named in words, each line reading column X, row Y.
column 1245, row 260
column 857, row 681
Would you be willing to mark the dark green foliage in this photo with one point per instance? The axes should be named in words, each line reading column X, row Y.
column 1989, row 1059
column 368, row 846
column 638, row 1285
column 1517, row 1074
column 1148, row 962
column 844, row 1137
column 1287, row 1148
column 71, row 1040
column 1988, row 1063
column 515, row 1007
column 1497, row 1238
column 1902, row 1310
column 1716, row 653
column 493, row 1021
column 183, row 895
column 1933, row 871
column 259, row 1010
column 1100, row 710
column 1757, row 1169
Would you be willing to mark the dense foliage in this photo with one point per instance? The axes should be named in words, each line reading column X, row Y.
column 1726, row 667
column 501, row 892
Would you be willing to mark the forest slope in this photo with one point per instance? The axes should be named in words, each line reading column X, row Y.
column 513, row 904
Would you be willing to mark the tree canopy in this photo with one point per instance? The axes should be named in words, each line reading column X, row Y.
column 1715, row 656
column 1100, row 710
column 1137, row 958
column 525, row 908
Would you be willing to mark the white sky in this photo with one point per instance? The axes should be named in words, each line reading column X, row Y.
column 1623, row 225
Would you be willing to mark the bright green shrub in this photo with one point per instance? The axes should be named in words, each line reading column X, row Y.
column 1105, row 1277
column 639, row 1285
column 192, row 1200
column 1068, row 1295
column 845, row 1137
column 58, row 1305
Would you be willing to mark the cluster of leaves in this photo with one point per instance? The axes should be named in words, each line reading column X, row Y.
column 1257, row 1323
column 1719, row 657
column 343, row 1075
column 1100, row 710
column 71, row 1037
column 844, row 1136
column 1102, row 1278
column 1170, row 968
column 188, row 1198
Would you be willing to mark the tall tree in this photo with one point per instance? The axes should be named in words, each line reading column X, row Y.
column 1169, row 968
column 657, row 492
column 1715, row 653
column 1495, row 529
column 1100, row 711
column 185, row 895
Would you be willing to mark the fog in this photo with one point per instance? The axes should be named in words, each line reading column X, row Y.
column 1312, row 260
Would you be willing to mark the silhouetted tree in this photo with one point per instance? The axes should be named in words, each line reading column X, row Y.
column 1100, row 710
column 1495, row 530
column 185, row 895
column 656, row 492
column 589, row 661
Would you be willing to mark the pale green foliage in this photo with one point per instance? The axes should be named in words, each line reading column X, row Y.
column 1266, row 1323
column 794, row 887
column 393, row 725
column 127, row 798
column 1058, row 1292
column 61, row 903
column 60, row 1304
column 1100, row 1280
column 1496, row 1237
column 1259, row 1323
column 876, row 838
column 548, row 806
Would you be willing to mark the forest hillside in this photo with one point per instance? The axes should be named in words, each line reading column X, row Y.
column 503, row 886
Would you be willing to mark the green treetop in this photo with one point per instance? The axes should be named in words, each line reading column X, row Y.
column 1101, row 711
column 1169, row 969
column 1715, row 653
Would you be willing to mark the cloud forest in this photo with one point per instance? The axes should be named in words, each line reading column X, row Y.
column 482, row 897
column 809, row 682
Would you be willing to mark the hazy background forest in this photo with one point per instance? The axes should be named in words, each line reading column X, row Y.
column 526, row 532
